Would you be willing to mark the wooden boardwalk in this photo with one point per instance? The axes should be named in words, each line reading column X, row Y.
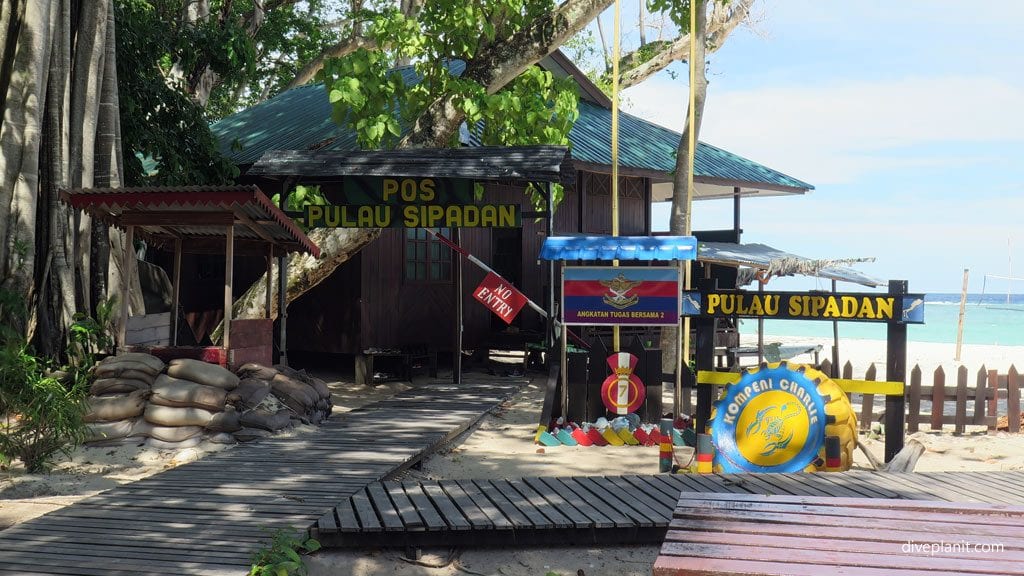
column 595, row 510
column 743, row 534
column 208, row 516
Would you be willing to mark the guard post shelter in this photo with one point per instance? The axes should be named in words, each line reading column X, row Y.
column 226, row 220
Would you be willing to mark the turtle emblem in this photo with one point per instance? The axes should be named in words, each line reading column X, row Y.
column 769, row 423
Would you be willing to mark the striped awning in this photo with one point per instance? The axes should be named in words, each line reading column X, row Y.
column 636, row 248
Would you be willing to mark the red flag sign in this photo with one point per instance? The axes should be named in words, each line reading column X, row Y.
column 501, row 297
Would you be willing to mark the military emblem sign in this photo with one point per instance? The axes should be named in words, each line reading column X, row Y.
column 608, row 296
column 772, row 420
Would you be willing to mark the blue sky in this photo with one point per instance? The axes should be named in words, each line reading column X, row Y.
column 908, row 117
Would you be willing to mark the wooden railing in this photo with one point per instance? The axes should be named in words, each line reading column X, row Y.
column 973, row 403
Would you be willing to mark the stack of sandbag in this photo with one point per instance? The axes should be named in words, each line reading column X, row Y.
column 118, row 395
column 188, row 403
column 135, row 397
column 308, row 398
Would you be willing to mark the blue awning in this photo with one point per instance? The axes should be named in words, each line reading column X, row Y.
column 619, row 248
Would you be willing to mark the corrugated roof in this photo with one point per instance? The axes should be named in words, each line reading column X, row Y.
column 184, row 212
column 641, row 248
column 530, row 163
column 300, row 119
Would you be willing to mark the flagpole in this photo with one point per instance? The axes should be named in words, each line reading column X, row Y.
column 616, row 49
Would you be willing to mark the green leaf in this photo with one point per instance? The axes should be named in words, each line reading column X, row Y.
column 335, row 96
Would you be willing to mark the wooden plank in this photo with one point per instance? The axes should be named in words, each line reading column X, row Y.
column 556, row 502
column 914, row 400
column 686, row 565
column 609, row 494
column 451, row 513
column 960, row 425
column 536, row 517
column 594, row 515
column 345, row 514
column 1013, row 382
column 614, row 515
column 537, row 500
column 144, row 321
column 614, row 507
column 993, row 403
column 652, row 500
column 979, row 398
column 424, row 507
column 476, row 515
column 938, row 398
column 850, row 515
column 252, row 333
column 404, row 506
column 502, row 513
column 368, row 518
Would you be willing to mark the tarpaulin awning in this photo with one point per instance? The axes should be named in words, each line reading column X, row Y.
column 198, row 216
column 636, row 248
column 750, row 258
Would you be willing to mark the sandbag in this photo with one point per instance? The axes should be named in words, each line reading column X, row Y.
column 223, row 438
column 168, row 391
column 289, row 388
column 168, row 416
column 250, row 434
column 203, row 373
column 156, row 365
column 272, row 421
column 100, row 431
column 123, row 368
column 116, row 386
column 120, row 407
column 257, row 371
column 162, row 445
column 291, row 372
column 174, row 433
column 249, row 393
column 226, row 421
column 320, row 387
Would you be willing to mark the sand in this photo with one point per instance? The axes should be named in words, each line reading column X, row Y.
column 501, row 446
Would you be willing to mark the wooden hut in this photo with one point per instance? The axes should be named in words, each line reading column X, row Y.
column 397, row 292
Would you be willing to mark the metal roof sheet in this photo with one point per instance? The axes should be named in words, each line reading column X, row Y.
column 246, row 203
column 642, row 248
column 300, row 119
column 776, row 262
column 531, row 163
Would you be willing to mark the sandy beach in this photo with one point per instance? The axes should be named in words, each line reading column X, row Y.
column 501, row 446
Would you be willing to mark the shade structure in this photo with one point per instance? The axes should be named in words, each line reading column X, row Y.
column 198, row 216
column 750, row 258
column 629, row 248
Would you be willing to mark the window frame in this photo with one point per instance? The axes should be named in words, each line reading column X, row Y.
column 428, row 252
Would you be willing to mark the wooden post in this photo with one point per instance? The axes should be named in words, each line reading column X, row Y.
column 960, row 418
column 938, row 398
column 736, row 230
column 835, row 335
column 992, row 394
column 1013, row 401
column 457, row 294
column 960, row 321
column 268, row 303
column 705, row 357
column 677, row 400
column 127, row 257
column 867, row 401
column 229, row 283
column 176, row 291
column 914, row 418
column 980, row 385
column 895, row 371
column 549, row 336
column 760, row 328
column 282, row 281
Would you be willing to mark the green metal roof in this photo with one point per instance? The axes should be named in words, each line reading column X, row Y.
column 300, row 119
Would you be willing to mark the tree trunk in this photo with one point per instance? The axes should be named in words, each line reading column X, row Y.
column 679, row 218
column 304, row 272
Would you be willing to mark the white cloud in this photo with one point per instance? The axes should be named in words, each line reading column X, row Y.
column 833, row 133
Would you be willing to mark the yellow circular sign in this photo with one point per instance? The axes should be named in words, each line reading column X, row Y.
column 772, row 428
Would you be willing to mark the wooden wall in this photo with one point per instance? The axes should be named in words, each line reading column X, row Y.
column 367, row 302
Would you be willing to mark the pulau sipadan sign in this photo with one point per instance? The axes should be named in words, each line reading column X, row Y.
column 853, row 307
column 382, row 202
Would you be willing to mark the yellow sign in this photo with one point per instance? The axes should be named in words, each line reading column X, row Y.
column 905, row 308
column 415, row 216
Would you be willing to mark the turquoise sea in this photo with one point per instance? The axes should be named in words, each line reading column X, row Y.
column 989, row 319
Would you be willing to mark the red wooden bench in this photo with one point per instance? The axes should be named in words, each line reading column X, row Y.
column 748, row 534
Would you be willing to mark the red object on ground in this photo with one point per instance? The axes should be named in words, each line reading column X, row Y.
column 655, row 436
column 595, row 437
column 641, row 436
column 581, row 437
